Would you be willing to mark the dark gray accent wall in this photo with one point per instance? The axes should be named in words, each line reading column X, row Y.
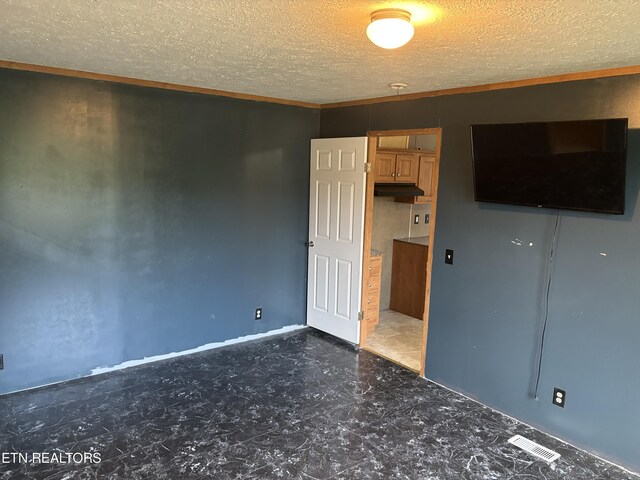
column 486, row 309
column 137, row 222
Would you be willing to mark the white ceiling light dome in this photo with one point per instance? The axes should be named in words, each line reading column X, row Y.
column 390, row 28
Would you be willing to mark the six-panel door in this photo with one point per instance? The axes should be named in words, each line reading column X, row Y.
column 336, row 223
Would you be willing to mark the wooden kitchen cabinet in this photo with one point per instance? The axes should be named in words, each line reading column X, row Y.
column 426, row 179
column 409, row 277
column 399, row 167
column 372, row 308
column 385, row 167
column 407, row 168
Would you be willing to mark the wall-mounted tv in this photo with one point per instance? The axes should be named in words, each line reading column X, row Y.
column 575, row 165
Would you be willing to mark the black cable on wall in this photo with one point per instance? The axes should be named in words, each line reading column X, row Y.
column 554, row 241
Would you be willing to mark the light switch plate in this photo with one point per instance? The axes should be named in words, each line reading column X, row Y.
column 448, row 257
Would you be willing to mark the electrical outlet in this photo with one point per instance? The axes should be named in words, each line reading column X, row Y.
column 1, row 361
column 427, row 218
column 448, row 257
column 559, row 397
column 259, row 313
column 416, row 219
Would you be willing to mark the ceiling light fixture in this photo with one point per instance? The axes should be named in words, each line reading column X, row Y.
column 390, row 28
column 397, row 86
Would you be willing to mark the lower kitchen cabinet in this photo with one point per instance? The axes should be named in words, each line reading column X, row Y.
column 409, row 277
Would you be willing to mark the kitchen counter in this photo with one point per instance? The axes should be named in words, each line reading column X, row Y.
column 415, row 240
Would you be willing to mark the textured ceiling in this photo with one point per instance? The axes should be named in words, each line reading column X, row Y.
column 316, row 50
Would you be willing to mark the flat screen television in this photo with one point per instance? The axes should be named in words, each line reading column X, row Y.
column 575, row 165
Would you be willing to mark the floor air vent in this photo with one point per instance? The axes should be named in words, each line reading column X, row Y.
column 534, row 449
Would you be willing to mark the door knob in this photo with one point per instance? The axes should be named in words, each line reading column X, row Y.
column 309, row 244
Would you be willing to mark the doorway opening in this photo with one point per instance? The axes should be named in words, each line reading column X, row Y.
column 399, row 228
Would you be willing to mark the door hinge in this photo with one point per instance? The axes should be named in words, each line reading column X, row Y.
column 360, row 315
column 367, row 167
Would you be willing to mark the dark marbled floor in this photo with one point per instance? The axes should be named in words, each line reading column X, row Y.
column 299, row 406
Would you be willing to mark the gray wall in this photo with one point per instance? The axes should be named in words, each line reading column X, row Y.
column 137, row 222
column 486, row 310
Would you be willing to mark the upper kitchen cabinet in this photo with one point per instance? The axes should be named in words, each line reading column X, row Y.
column 385, row 171
column 426, row 178
column 399, row 167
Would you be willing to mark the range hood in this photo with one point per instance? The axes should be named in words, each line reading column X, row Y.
column 397, row 190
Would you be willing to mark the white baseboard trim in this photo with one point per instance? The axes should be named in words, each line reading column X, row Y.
column 156, row 358
column 202, row 348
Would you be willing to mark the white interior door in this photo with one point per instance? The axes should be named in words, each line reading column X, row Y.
column 336, row 223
